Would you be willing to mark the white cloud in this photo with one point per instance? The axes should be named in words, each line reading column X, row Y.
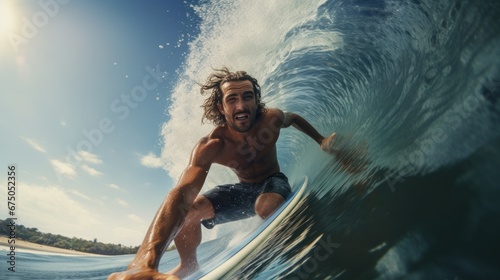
column 114, row 186
column 34, row 144
column 63, row 168
column 89, row 157
column 151, row 160
column 51, row 209
column 91, row 171
column 68, row 170
column 79, row 194
column 122, row 202
column 134, row 218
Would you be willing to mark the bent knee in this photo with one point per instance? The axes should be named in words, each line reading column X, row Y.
column 267, row 204
column 202, row 208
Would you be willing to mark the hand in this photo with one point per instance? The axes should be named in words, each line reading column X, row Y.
column 141, row 274
column 327, row 143
column 352, row 157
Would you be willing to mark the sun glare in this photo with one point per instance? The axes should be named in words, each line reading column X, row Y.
column 7, row 21
column 6, row 17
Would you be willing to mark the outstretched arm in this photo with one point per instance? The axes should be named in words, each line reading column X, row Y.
column 170, row 217
column 351, row 160
column 301, row 124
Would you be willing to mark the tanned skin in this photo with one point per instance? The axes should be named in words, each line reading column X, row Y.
column 247, row 145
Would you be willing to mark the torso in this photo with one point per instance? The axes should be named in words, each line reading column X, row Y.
column 252, row 156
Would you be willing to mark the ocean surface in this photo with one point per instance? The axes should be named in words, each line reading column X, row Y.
column 412, row 89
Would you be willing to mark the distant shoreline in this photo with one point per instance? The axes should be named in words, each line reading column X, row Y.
column 21, row 244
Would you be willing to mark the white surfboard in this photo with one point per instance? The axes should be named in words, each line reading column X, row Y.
column 240, row 253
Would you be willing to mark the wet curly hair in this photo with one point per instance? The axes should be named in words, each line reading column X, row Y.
column 212, row 87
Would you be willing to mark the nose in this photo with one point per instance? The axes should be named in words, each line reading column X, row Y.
column 239, row 105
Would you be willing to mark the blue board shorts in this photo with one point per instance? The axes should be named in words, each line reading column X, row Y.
column 234, row 202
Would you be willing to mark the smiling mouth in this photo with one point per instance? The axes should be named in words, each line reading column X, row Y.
column 241, row 117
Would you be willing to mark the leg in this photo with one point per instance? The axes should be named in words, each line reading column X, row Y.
column 189, row 237
column 267, row 203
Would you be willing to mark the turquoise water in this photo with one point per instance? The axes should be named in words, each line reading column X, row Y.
column 413, row 86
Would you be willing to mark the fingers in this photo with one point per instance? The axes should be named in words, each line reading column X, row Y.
column 327, row 143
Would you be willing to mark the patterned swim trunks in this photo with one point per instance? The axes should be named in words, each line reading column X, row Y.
column 234, row 202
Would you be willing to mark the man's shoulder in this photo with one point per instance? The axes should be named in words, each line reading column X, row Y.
column 274, row 117
column 213, row 139
column 208, row 147
column 274, row 111
column 217, row 133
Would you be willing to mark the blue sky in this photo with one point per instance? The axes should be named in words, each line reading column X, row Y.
column 85, row 87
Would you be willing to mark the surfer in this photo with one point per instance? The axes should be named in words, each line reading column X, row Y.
column 244, row 139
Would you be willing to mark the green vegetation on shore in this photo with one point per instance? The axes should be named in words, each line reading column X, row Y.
column 59, row 241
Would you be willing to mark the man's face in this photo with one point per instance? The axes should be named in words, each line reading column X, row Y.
column 238, row 105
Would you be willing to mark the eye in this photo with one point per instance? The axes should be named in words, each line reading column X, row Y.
column 248, row 96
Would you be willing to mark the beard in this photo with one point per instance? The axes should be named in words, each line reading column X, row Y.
column 242, row 126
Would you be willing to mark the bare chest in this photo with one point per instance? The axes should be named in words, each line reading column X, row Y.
column 253, row 153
